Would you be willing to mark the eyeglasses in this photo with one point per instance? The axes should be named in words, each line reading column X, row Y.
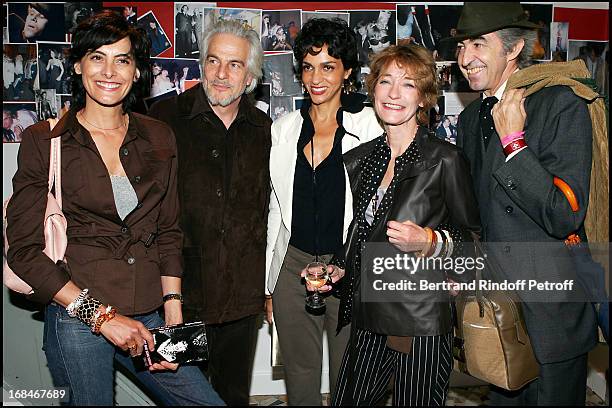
column 374, row 41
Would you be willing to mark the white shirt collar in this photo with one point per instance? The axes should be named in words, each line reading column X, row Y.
column 500, row 90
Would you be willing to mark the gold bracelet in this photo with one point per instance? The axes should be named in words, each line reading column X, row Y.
column 423, row 253
column 101, row 318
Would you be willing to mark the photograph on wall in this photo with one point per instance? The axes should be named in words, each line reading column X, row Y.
column 279, row 28
column 262, row 95
column 159, row 40
column 16, row 117
column 375, row 30
column 46, row 104
column 188, row 20
column 170, row 73
column 540, row 14
column 278, row 71
column 28, row 24
column 54, row 67
column 447, row 128
column 130, row 13
column 77, row 11
column 456, row 102
column 298, row 102
column 5, row 33
column 558, row 39
column 19, row 72
column 427, row 25
column 594, row 55
column 148, row 102
column 450, row 78
column 280, row 106
column 63, row 103
column 307, row 15
column 251, row 18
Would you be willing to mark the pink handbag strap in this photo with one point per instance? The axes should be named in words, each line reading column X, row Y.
column 55, row 165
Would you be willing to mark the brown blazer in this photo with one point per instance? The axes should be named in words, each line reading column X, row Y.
column 120, row 262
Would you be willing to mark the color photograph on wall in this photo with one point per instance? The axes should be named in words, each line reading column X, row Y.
column 157, row 36
column 251, row 18
column 279, row 28
column 16, row 117
column 54, row 67
column 19, row 72
column 173, row 73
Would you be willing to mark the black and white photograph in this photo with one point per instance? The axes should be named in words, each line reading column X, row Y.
column 188, row 20
column 541, row 14
column 46, row 104
column 558, row 39
column 77, row 11
column 594, row 55
column 307, row 15
column 159, row 40
column 16, row 117
column 170, row 73
column 63, row 104
column 31, row 22
column 251, row 18
column 19, row 72
column 375, row 30
column 130, row 13
column 5, row 33
column 181, row 344
column 455, row 102
column 54, row 67
column 262, row 95
column 427, row 25
column 451, row 79
column 278, row 71
column 281, row 105
column 279, row 28
column 148, row 102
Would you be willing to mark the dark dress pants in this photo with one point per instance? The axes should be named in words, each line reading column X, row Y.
column 231, row 347
column 559, row 384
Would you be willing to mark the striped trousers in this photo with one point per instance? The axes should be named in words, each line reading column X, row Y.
column 420, row 378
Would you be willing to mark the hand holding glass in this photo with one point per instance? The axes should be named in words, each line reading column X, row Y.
column 316, row 276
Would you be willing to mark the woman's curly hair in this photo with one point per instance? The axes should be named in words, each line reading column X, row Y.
column 339, row 38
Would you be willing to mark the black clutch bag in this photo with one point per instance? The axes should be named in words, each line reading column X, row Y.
column 181, row 343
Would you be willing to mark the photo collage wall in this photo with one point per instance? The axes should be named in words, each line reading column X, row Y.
column 36, row 43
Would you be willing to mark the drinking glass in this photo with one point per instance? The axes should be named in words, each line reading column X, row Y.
column 316, row 275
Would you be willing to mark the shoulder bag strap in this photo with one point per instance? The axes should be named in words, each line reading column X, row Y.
column 55, row 164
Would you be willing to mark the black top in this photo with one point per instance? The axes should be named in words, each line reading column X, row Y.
column 318, row 197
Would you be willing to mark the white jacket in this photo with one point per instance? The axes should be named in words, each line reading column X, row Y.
column 360, row 127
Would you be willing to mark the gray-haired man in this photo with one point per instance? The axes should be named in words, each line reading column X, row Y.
column 223, row 144
column 515, row 146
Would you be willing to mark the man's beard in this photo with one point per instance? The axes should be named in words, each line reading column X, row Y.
column 215, row 101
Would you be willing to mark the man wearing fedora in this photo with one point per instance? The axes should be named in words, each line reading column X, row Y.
column 516, row 145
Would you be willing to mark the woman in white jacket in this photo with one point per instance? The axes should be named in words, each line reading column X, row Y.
column 311, row 202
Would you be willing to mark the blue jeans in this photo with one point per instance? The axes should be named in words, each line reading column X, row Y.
column 83, row 362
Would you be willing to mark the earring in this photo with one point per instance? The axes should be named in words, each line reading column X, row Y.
column 346, row 85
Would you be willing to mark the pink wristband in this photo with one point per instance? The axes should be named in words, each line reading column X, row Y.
column 511, row 137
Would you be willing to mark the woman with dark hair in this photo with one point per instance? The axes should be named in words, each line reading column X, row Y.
column 123, row 258
column 413, row 193
column 309, row 180
column 55, row 71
